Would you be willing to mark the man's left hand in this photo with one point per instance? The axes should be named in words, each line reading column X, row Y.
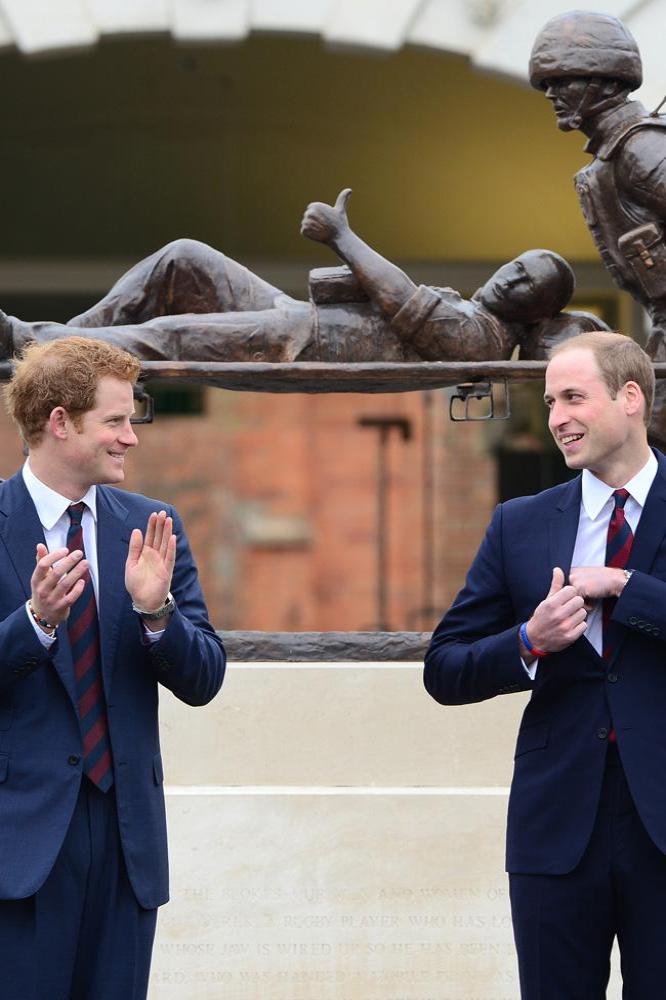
column 150, row 563
column 593, row 583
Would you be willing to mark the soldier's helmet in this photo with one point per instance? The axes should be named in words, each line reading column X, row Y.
column 584, row 43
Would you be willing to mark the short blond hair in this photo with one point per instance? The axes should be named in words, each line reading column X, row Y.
column 620, row 360
column 65, row 373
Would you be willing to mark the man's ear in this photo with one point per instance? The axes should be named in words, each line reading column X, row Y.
column 634, row 400
column 59, row 423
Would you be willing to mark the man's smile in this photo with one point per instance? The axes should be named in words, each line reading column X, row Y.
column 570, row 438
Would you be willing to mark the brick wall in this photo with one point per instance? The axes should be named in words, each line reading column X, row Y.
column 279, row 497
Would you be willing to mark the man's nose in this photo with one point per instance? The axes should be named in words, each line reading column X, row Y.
column 128, row 437
column 557, row 416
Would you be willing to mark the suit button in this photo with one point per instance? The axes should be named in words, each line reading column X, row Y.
column 611, row 678
column 633, row 620
column 602, row 733
column 656, row 631
column 73, row 759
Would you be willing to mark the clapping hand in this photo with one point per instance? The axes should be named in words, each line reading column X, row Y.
column 150, row 562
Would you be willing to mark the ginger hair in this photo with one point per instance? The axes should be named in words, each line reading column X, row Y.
column 65, row 373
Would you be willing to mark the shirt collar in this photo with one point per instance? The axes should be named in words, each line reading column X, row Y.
column 596, row 493
column 51, row 505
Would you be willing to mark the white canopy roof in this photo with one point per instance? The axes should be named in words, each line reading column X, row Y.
column 496, row 35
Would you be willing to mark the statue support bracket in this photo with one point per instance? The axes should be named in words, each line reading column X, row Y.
column 468, row 394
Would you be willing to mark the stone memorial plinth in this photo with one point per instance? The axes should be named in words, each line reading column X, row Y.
column 336, row 835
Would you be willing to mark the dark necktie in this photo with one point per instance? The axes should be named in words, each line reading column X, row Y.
column 619, row 540
column 618, row 549
column 83, row 632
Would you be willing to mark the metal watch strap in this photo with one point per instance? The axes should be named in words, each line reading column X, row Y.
column 167, row 608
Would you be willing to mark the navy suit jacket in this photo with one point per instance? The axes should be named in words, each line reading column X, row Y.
column 40, row 739
column 576, row 697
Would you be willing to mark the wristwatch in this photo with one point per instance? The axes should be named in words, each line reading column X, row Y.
column 165, row 609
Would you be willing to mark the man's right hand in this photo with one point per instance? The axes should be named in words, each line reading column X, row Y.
column 56, row 587
column 560, row 619
column 324, row 223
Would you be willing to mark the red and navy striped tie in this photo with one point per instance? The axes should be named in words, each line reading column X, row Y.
column 83, row 631
column 618, row 548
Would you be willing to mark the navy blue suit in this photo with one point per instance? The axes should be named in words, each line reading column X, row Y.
column 562, row 745
column 40, row 741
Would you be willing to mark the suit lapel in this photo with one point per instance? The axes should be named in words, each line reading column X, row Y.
column 113, row 536
column 563, row 526
column 563, row 531
column 652, row 525
column 20, row 530
column 649, row 536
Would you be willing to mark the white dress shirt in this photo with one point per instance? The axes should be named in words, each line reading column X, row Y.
column 52, row 510
column 596, row 507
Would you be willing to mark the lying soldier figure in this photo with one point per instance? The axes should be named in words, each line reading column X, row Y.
column 189, row 302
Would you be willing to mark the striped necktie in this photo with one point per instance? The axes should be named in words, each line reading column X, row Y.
column 619, row 540
column 83, row 632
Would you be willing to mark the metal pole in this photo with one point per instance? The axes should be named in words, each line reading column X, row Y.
column 384, row 426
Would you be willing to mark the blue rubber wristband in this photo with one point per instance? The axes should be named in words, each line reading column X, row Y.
column 532, row 650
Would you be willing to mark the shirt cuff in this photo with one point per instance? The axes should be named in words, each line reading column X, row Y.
column 152, row 636
column 531, row 670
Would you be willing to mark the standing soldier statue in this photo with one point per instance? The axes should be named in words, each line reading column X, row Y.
column 588, row 64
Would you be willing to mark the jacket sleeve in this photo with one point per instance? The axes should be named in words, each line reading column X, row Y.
column 189, row 657
column 21, row 652
column 474, row 651
column 641, row 607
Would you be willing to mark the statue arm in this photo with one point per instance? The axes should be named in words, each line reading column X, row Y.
column 385, row 283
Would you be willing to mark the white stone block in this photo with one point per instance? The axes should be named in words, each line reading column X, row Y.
column 37, row 27
column 506, row 49
column 7, row 39
column 335, row 724
column 647, row 25
column 336, row 897
column 447, row 25
column 297, row 898
column 304, row 16
column 210, row 20
column 114, row 17
column 380, row 24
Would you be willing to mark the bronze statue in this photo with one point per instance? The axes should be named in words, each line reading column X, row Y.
column 189, row 302
column 587, row 64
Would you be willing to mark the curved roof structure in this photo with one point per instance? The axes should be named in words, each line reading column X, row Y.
column 496, row 35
